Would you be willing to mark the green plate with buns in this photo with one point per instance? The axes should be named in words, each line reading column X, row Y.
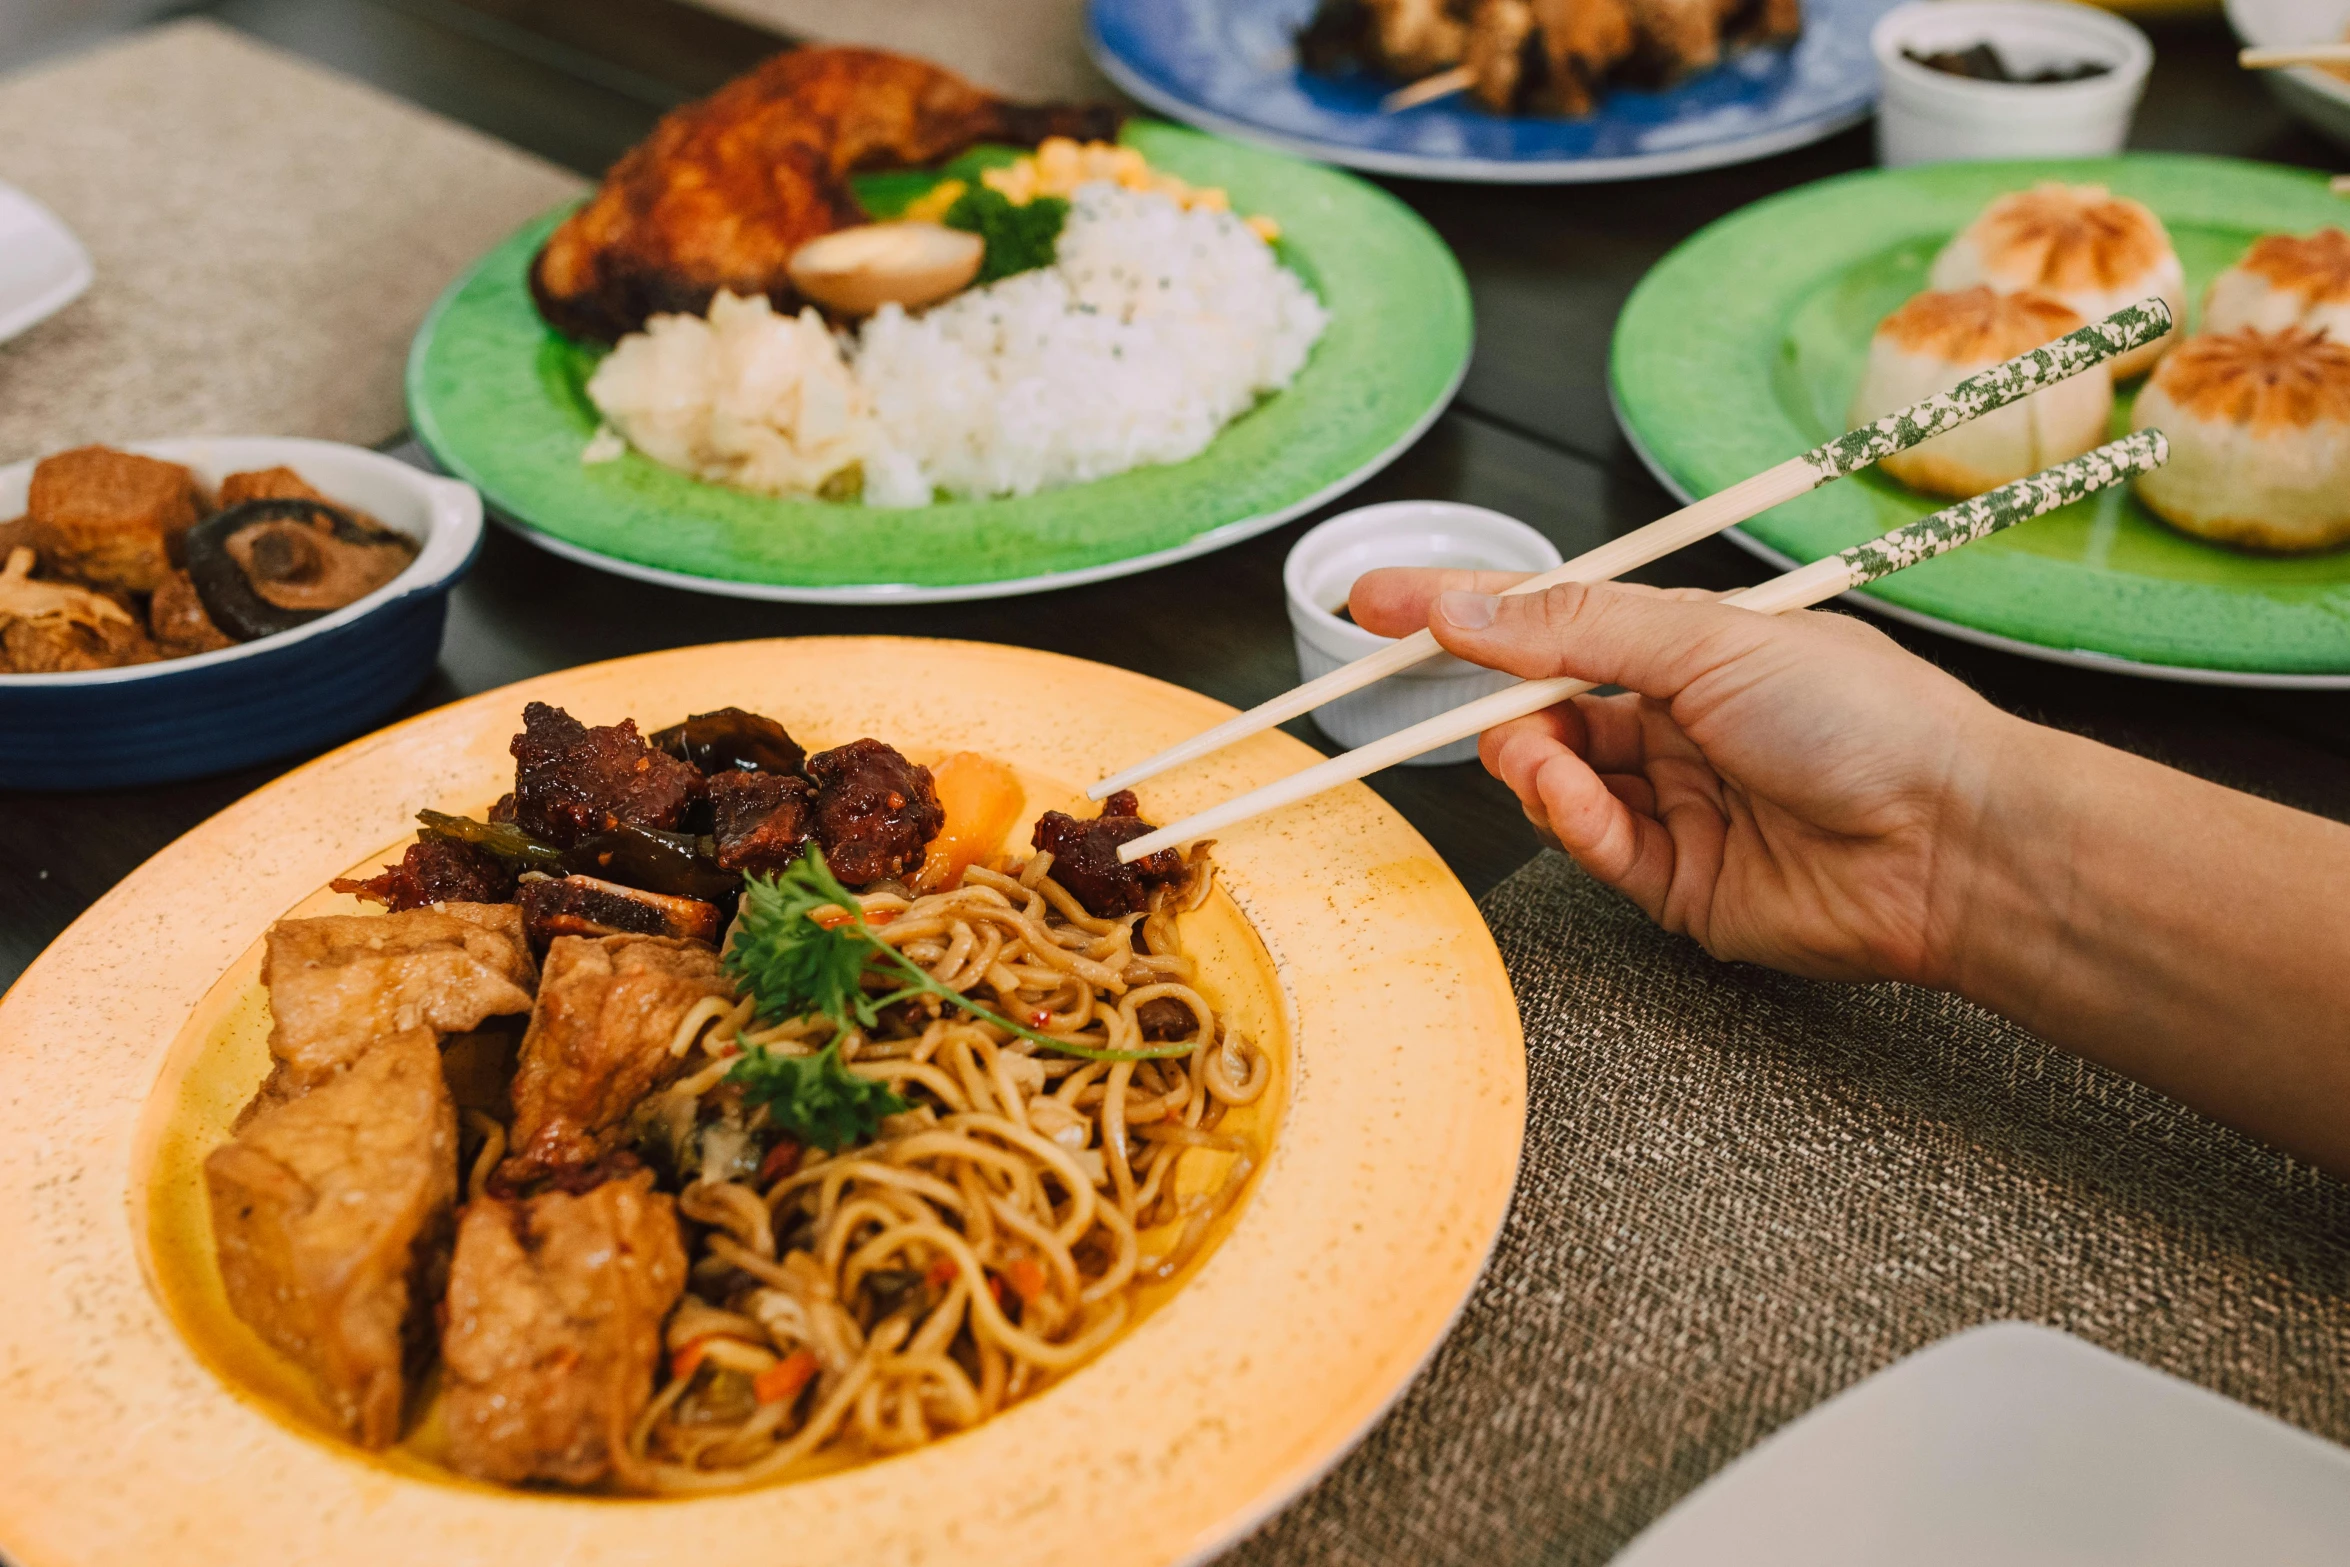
column 1745, row 346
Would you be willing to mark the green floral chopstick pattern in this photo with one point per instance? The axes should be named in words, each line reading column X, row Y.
column 2132, row 326
column 2006, row 506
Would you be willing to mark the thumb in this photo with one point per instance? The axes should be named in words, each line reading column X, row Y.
column 1647, row 642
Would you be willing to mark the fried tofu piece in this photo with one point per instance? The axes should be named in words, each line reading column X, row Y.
column 598, row 1042
column 331, row 1214
column 266, row 484
column 339, row 981
column 109, row 518
column 553, row 1330
column 178, row 620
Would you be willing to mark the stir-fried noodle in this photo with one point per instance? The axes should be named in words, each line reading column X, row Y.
column 993, row 1236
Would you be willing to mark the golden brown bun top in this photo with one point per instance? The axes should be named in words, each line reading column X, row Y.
column 2317, row 267
column 2264, row 381
column 2070, row 236
column 1978, row 325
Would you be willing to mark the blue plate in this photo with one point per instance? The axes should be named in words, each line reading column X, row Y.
column 1231, row 66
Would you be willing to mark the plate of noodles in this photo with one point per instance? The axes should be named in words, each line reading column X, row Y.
column 1789, row 320
column 782, row 1127
column 998, row 366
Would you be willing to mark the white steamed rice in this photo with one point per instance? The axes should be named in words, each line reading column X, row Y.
column 1153, row 329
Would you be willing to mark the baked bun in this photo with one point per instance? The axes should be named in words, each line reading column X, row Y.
column 1937, row 340
column 2079, row 243
column 2285, row 280
column 2259, row 427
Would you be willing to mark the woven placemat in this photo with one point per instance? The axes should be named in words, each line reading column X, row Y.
column 1021, row 48
column 1742, row 1193
column 267, row 236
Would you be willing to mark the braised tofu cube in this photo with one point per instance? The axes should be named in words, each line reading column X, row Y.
column 331, row 1214
column 608, row 1009
column 554, row 1329
column 110, row 518
column 342, row 980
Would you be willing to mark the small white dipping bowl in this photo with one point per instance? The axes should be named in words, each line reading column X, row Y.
column 1930, row 116
column 1322, row 569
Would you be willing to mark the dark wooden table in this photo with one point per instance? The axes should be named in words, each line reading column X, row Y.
column 579, row 80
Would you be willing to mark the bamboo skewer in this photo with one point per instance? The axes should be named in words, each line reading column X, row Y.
column 2296, row 54
column 1978, row 394
column 1428, row 89
column 1938, row 534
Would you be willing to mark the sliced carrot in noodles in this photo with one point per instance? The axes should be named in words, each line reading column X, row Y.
column 781, row 1382
column 982, row 799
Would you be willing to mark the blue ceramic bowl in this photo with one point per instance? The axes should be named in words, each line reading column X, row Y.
column 1230, row 66
column 302, row 689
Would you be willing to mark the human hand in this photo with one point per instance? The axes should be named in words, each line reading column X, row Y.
column 1793, row 790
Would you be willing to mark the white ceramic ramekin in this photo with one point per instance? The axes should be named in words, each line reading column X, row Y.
column 1930, row 116
column 1322, row 568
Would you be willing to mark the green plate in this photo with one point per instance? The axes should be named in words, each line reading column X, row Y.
column 1744, row 346
column 500, row 400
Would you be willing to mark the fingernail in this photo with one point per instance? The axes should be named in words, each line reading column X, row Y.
column 1469, row 611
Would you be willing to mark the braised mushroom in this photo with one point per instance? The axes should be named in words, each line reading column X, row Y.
column 267, row 566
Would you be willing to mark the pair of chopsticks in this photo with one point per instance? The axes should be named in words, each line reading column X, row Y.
column 1937, row 534
column 2292, row 55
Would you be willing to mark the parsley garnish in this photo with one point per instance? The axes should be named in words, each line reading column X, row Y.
column 1019, row 238
column 815, row 1099
column 795, row 964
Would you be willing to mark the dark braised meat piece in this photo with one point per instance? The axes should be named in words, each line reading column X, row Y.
column 875, row 811
column 1163, row 1019
column 1085, row 857
column 177, row 619
column 730, row 741
column 599, row 1042
column 436, row 870
column 571, row 782
column 339, row 982
column 554, row 1329
column 584, row 906
column 763, row 821
column 330, row 1212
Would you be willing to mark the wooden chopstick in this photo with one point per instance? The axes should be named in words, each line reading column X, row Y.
column 1938, row 534
column 2297, row 54
column 1428, row 89
column 1978, row 394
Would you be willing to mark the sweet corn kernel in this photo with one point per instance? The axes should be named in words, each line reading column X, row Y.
column 1265, row 228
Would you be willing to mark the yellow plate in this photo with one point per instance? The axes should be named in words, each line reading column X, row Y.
column 1387, row 1181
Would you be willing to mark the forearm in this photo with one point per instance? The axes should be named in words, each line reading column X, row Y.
column 2190, row 936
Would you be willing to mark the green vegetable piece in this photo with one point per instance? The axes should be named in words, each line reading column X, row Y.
column 501, row 840
column 815, row 1098
column 795, row 965
column 1019, row 238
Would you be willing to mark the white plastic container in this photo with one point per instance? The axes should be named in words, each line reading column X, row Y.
column 1322, row 569
column 1930, row 116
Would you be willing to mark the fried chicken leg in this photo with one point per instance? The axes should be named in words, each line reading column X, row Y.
column 724, row 190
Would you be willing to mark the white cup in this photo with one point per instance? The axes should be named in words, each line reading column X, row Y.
column 1930, row 116
column 1322, row 569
